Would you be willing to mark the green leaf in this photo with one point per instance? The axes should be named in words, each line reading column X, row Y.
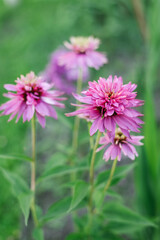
column 55, row 160
column 98, row 196
column 76, row 236
column 25, row 200
column 120, row 173
column 123, row 219
column 79, row 193
column 20, row 190
column 60, row 171
column 16, row 157
column 38, row 234
column 151, row 136
column 58, row 209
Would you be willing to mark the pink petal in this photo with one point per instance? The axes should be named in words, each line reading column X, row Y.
column 41, row 120
column 10, row 87
column 107, row 153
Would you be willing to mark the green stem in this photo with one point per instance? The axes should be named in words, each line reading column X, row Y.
column 75, row 134
column 108, row 182
column 111, row 175
column 91, row 177
column 77, row 119
column 91, row 172
column 91, row 137
column 33, row 171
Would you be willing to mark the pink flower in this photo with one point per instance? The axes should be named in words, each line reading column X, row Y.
column 120, row 143
column 32, row 95
column 109, row 103
column 61, row 76
column 82, row 53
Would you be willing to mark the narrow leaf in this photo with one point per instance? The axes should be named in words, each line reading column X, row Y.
column 58, row 209
column 60, row 171
column 119, row 215
column 16, row 157
column 79, row 193
column 25, row 200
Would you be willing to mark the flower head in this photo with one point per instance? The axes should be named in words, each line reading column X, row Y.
column 61, row 76
column 82, row 53
column 30, row 95
column 119, row 144
column 108, row 103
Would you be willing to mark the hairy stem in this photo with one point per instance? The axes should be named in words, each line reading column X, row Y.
column 33, row 171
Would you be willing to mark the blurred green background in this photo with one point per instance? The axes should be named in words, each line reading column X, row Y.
column 130, row 35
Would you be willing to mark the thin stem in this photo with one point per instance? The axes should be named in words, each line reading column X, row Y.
column 75, row 133
column 33, row 171
column 108, row 182
column 91, row 137
column 91, row 172
column 91, row 177
column 77, row 119
column 33, row 154
column 111, row 175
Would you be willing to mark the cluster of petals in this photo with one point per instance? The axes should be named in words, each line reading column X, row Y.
column 119, row 144
column 31, row 95
column 61, row 76
column 82, row 53
column 109, row 103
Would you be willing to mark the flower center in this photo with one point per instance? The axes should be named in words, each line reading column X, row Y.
column 80, row 44
column 101, row 111
column 109, row 95
column 32, row 92
column 119, row 136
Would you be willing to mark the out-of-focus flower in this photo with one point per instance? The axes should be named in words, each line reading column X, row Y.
column 119, row 144
column 108, row 102
column 82, row 53
column 30, row 95
column 61, row 76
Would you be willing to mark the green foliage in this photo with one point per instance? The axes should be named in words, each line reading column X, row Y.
column 16, row 157
column 122, row 219
column 59, row 171
column 80, row 191
column 29, row 32
column 20, row 190
column 38, row 234
column 57, row 210
column 119, row 174
column 75, row 236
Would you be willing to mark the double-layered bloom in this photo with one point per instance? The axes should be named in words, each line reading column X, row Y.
column 30, row 95
column 108, row 103
column 82, row 53
column 120, row 143
column 61, row 76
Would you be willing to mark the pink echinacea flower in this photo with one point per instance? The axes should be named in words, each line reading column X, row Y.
column 30, row 95
column 119, row 144
column 82, row 53
column 62, row 77
column 108, row 103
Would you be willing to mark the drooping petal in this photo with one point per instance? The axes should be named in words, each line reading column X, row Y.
column 41, row 120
